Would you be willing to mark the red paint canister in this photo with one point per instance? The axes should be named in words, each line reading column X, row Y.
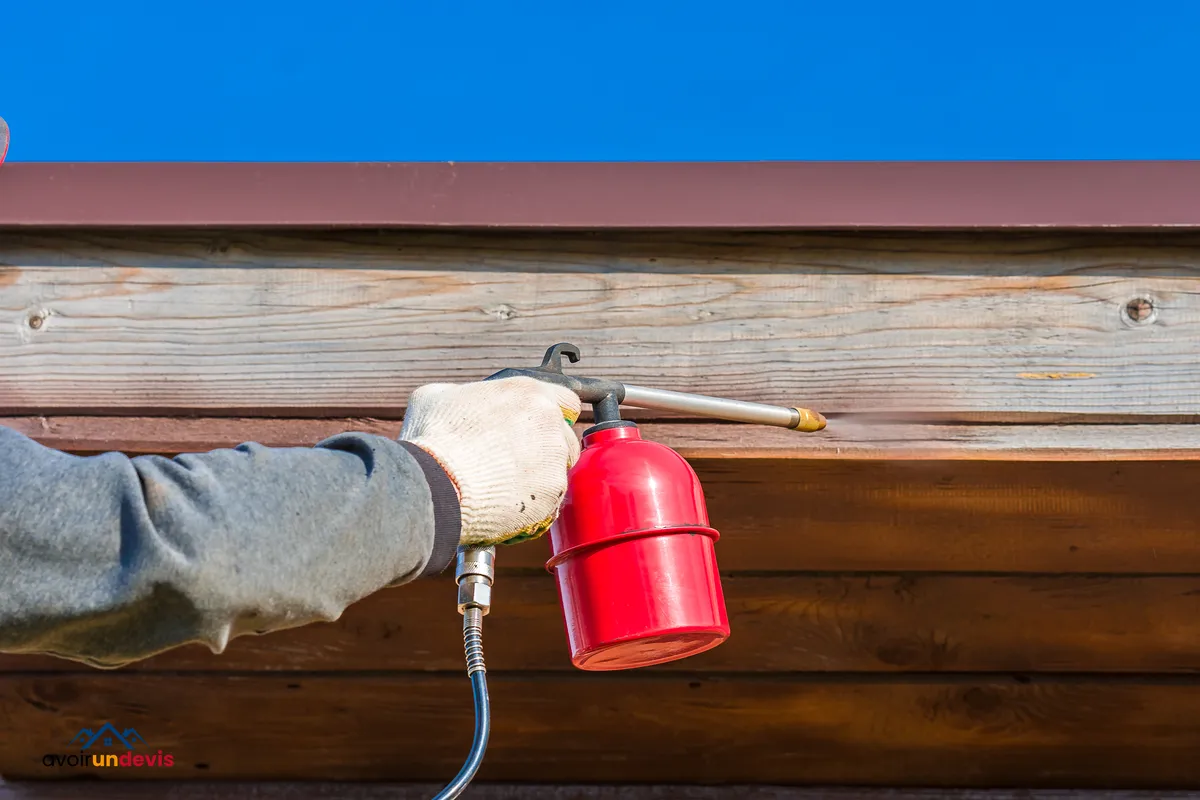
column 634, row 557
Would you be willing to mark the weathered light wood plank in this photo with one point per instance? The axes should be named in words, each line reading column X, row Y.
column 351, row 324
column 266, row 790
column 964, row 732
column 809, row 623
column 845, row 438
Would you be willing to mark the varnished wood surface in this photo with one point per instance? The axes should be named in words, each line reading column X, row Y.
column 804, row 623
column 1043, row 517
column 314, row 790
column 920, row 596
column 952, row 731
column 992, row 514
column 850, row 437
column 351, row 323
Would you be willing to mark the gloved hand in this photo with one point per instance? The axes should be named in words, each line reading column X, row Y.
column 506, row 445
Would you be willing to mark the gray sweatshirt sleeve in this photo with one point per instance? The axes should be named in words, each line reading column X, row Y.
column 110, row 559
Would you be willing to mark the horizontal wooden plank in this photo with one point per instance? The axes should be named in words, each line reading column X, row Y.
column 352, row 324
column 845, row 438
column 317, row 790
column 811, row 623
column 890, row 512
column 960, row 732
column 172, row 435
column 985, row 516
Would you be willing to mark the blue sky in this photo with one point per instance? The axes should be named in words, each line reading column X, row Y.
column 259, row 80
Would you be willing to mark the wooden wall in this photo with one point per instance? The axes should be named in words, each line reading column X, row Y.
column 986, row 572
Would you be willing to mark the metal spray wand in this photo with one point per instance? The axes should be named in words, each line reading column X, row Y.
column 606, row 397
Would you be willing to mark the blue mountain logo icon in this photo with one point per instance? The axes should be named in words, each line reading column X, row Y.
column 108, row 736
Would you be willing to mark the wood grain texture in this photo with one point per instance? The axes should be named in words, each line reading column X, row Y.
column 962, row 732
column 350, row 324
column 968, row 516
column 804, row 623
column 972, row 516
column 315, row 790
column 845, row 438
column 888, row 513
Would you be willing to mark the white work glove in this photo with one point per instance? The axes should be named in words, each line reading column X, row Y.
column 506, row 445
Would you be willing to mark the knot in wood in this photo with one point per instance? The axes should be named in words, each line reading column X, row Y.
column 501, row 312
column 1139, row 310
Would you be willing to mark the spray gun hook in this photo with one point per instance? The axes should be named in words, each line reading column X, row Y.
column 552, row 361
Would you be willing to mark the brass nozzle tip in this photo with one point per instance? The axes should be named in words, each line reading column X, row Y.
column 810, row 421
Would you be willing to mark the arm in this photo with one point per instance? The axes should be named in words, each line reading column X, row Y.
column 110, row 559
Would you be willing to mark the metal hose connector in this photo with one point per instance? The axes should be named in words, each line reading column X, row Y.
column 475, row 572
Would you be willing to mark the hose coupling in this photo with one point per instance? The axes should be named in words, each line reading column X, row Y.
column 475, row 573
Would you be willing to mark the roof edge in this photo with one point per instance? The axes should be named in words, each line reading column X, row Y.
column 598, row 195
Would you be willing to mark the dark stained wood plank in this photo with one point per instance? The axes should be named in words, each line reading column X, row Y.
column 172, row 435
column 262, row 790
column 811, row 623
column 1137, row 517
column 961, row 732
column 668, row 251
column 352, row 323
column 888, row 513
column 676, row 252
column 846, row 438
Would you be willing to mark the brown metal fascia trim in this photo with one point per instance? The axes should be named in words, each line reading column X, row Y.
column 742, row 195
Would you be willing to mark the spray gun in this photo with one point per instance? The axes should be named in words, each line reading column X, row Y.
column 606, row 397
column 632, row 550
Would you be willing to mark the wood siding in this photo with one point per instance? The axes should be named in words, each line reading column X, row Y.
column 986, row 573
